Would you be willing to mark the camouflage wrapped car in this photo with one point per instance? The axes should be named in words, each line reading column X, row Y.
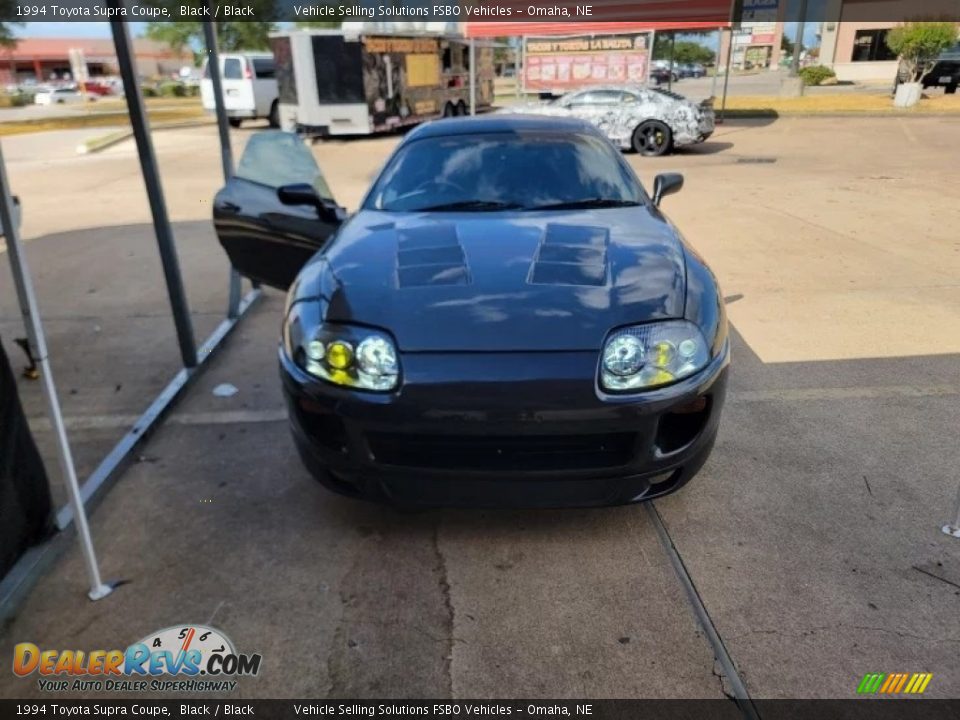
column 650, row 121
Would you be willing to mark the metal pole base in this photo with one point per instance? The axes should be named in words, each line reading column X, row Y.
column 951, row 530
column 100, row 592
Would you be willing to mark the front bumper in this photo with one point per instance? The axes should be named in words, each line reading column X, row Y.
column 504, row 429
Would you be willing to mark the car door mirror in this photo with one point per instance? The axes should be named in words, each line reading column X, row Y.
column 666, row 184
column 306, row 194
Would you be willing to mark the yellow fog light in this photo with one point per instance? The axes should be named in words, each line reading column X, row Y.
column 663, row 353
column 339, row 355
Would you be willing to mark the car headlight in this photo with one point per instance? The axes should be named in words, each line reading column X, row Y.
column 651, row 356
column 350, row 356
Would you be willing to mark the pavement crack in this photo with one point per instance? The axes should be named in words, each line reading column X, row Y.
column 867, row 483
column 721, row 678
column 443, row 582
column 936, row 577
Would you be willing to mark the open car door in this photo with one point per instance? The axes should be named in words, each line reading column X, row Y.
column 276, row 212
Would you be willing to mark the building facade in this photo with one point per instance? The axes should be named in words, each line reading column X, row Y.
column 853, row 35
column 45, row 59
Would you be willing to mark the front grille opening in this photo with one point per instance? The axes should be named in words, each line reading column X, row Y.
column 518, row 452
column 323, row 428
column 681, row 427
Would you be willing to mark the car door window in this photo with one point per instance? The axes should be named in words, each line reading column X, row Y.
column 232, row 69
column 277, row 158
column 600, row 97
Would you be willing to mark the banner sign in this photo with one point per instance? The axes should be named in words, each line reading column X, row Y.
column 560, row 64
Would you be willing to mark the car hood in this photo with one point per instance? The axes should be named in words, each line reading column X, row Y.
column 504, row 281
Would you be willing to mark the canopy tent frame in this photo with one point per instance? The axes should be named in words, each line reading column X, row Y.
column 15, row 585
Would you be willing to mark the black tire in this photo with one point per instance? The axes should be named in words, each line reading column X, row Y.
column 449, row 110
column 951, row 89
column 274, row 117
column 461, row 108
column 652, row 139
column 235, row 122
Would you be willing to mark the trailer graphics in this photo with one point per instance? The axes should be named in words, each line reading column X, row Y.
column 332, row 84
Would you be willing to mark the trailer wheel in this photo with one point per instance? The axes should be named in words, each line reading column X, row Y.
column 234, row 122
column 461, row 108
column 449, row 110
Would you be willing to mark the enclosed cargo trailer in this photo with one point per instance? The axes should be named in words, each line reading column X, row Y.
column 333, row 83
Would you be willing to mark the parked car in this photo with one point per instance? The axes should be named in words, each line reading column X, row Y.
column 692, row 70
column 647, row 120
column 509, row 319
column 946, row 72
column 249, row 87
column 662, row 75
column 98, row 88
column 59, row 96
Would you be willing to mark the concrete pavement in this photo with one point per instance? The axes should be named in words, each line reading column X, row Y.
column 811, row 535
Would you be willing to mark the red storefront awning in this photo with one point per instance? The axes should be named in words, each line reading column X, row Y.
column 608, row 17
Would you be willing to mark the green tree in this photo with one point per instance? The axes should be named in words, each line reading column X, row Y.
column 7, row 38
column 318, row 24
column 786, row 44
column 231, row 36
column 684, row 51
column 919, row 43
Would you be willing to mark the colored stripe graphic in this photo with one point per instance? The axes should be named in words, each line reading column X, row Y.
column 894, row 683
column 870, row 683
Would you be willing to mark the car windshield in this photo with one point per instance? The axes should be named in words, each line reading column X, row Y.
column 501, row 171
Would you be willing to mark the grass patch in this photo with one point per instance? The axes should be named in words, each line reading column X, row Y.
column 99, row 119
column 881, row 104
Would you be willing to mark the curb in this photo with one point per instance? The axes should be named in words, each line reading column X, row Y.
column 103, row 142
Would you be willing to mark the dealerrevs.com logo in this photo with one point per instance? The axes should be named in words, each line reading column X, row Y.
column 187, row 658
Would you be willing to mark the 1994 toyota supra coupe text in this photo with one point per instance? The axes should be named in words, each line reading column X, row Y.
column 507, row 320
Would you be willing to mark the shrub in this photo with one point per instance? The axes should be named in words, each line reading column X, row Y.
column 919, row 43
column 148, row 91
column 816, row 74
column 173, row 89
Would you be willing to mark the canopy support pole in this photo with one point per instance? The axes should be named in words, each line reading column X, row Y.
column 38, row 348
column 716, row 63
column 226, row 152
column 473, row 76
column 151, row 178
column 726, row 76
column 673, row 43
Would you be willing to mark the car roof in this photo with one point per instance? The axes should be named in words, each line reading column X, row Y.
column 502, row 124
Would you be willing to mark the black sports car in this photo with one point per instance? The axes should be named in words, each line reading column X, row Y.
column 507, row 320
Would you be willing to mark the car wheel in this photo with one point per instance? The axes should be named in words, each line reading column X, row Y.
column 274, row 116
column 461, row 108
column 652, row 138
column 950, row 89
column 234, row 122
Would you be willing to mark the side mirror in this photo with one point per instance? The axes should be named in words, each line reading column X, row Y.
column 305, row 194
column 666, row 184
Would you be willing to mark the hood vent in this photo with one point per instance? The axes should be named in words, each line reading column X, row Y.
column 571, row 255
column 430, row 255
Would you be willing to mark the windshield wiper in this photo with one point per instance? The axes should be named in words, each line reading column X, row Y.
column 585, row 203
column 470, row 205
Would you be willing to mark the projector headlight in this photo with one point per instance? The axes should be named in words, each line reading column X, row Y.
column 349, row 356
column 644, row 357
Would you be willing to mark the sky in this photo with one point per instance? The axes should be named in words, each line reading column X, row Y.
column 71, row 29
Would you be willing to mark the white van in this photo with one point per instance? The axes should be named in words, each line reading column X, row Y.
column 249, row 87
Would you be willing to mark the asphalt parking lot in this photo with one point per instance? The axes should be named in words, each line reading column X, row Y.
column 811, row 537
